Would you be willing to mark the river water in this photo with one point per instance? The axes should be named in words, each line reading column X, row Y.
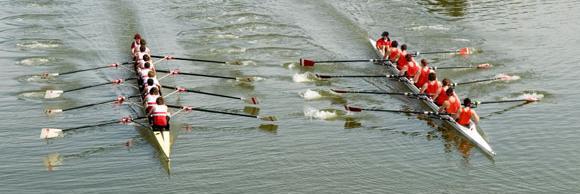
column 315, row 147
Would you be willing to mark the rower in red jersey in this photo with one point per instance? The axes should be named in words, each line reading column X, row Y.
column 394, row 52
column 136, row 43
column 465, row 114
column 442, row 96
column 432, row 86
column 402, row 61
column 159, row 115
column 411, row 68
column 423, row 75
column 452, row 104
column 384, row 43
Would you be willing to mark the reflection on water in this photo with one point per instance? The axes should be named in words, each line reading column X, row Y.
column 454, row 8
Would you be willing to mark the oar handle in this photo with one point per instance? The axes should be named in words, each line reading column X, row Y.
column 188, row 59
column 355, row 60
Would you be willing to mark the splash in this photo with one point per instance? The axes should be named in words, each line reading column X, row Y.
column 34, row 61
column 314, row 113
column 532, row 96
column 39, row 44
column 433, row 27
column 506, row 77
column 311, row 95
column 302, row 78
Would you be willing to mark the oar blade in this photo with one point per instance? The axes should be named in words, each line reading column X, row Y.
column 48, row 133
column 267, row 118
column 53, row 93
column 339, row 91
column 484, row 66
column 465, row 51
column 323, row 76
column 52, row 111
column 353, row 109
column 251, row 100
column 306, row 62
column 245, row 79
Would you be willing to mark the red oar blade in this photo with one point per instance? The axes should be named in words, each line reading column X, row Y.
column 306, row 62
column 465, row 51
column 353, row 109
column 484, row 66
column 48, row 133
column 251, row 100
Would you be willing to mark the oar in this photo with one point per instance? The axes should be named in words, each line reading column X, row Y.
column 250, row 100
column 115, row 65
column 461, row 51
column 480, row 66
column 310, row 63
column 57, row 93
column 190, row 59
column 526, row 100
column 502, row 77
column 355, row 76
column 176, row 72
column 118, row 100
column 357, row 109
column 47, row 133
column 376, row 92
column 189, row 108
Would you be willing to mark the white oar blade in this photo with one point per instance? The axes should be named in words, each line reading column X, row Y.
column 48, row 133
column 51, row 111
column 268, row 118
column 245, row 79
column 251, row 100
column 53, row 93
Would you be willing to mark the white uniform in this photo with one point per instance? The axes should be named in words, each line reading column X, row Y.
column 151, row 99
column 160, row 110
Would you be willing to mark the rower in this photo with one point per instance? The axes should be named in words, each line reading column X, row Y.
column 159, row 115
column 144, row 72
column 402, row 60
column 423, row 75
column 145, row 58
column 394, row 52
column 144, row 48
column 136, row 43
column 411, row 69
column 465, row 114
column 151, row 99
column 452, row 104
column 442, row 96
column 432, row 86
column 150, row 84
column 384, row 43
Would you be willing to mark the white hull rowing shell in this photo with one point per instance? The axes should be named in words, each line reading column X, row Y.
column 470, row 133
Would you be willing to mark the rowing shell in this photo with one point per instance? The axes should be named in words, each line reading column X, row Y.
column 162, row 139
column 470, row 132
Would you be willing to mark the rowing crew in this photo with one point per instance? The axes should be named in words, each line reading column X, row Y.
column 425, row 78
column 156, row 110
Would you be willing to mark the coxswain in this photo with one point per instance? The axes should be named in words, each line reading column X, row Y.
column 402, row 60
column 465, row 114
column 442, row 96
column 136, row 43
column 423, row 75
column 159, row 115
column 452, row 104
column 432, row 86
column 384, row 43
column 151, row 99
column 411, row 68
column 394, row 53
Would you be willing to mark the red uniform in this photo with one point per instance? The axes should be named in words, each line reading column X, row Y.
column 159, row 116
column 402, row 61
column 412, row 69
column 464, row 116
column 432, row 88
column 453, row 106
column 441, row 98
column 394, row 53
column 423, row 77
column 382, row 42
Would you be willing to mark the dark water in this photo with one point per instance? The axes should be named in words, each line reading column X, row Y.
column 313, row 148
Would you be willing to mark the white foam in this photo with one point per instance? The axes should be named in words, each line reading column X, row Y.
column 301, row 78
column 38, row 44
column 311, row 95
column 34, row 61
column 432, row 27
column 314, row 113
column 533, row 95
